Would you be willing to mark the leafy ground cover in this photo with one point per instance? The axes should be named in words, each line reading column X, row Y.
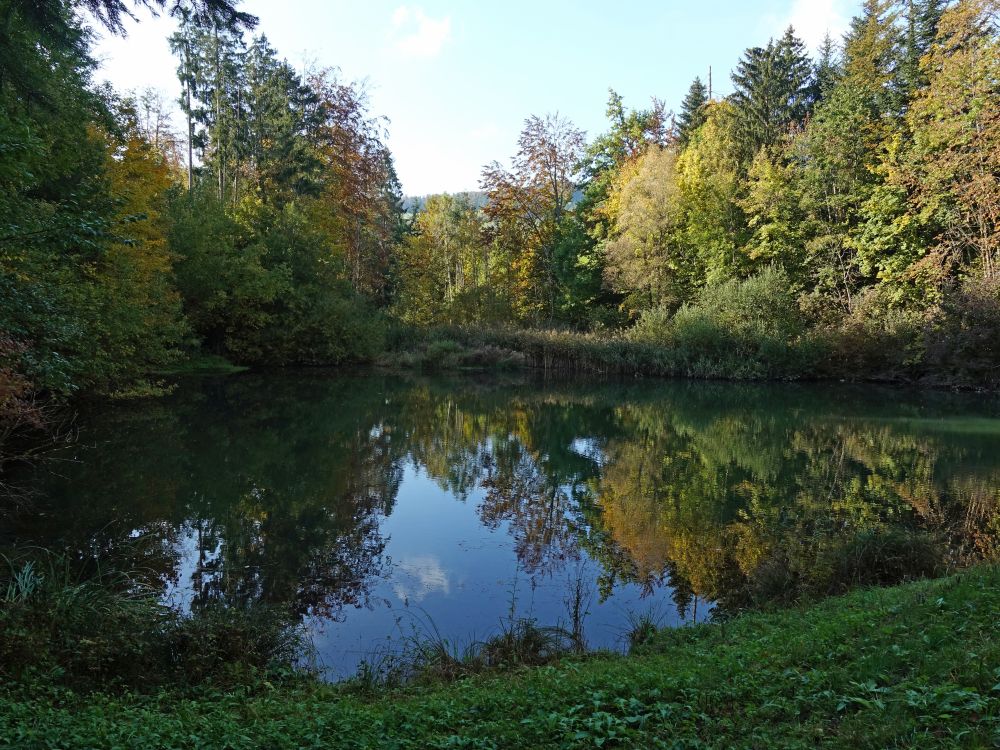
column 916, row 665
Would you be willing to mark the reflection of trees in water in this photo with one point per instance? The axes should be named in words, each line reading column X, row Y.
column 518, row 452
column 539, row 512
column 280, row 493
column 702, row 505
column 294, row 515
column 303, row 529
column 284, row 481
column 316, row 558
column 705, row 487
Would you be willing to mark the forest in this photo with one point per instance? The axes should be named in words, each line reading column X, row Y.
column 836, row 216
column 194, row 558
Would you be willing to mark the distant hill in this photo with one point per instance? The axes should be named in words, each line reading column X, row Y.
column 413, row 203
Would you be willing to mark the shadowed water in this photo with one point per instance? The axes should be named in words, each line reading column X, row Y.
column 374, row 506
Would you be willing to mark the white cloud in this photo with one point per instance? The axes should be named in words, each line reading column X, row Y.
column 812, row 19
column 417, row 35
column 419, row 576
column 400, row 16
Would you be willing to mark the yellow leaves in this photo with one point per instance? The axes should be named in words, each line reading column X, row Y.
column 139, row 178
column 249, row 211
column 612, row 206
column 955, row 122
column 713, row 146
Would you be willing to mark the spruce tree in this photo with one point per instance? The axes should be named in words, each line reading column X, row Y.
column 773, row 89
column 922, row 18
column 112, row 13
column 794, row 70
column 692, row 111
column 827, row 70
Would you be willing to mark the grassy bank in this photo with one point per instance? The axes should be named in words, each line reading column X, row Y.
column 912, row 666
column 750, row 329
column 608, row 353
column 819, row 355
column 201, row 364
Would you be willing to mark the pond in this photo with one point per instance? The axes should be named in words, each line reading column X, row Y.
column 374, row 507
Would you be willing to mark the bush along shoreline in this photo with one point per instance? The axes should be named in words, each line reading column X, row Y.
column 917, row 664
column 752, row 329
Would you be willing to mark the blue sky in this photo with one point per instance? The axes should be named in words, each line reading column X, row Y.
column 457, row 79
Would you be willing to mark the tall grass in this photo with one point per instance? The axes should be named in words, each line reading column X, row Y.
column 106, row 629
column 423, row 655
column 642, row 627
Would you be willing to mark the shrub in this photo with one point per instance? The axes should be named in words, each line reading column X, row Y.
column 440, row 353
column 750, row 328
column 875, row 340
column 758, row 308
column 963, row 346
column 881, row 557
column 834, row 565
column 654, row 326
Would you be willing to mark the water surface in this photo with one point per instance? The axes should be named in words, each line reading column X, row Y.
column 373, row 506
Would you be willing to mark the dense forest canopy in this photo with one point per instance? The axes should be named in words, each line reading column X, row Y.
column 845, row 204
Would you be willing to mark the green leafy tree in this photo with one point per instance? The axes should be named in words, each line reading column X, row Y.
column 447, row 273
column 646, row 257
column 951, row 172
column 715, row 228
column 780, row 228
column 871, row 59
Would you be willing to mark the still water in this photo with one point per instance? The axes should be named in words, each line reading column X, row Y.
column 374, row 507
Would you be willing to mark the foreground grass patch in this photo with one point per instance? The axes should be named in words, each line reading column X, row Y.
column 912, row 666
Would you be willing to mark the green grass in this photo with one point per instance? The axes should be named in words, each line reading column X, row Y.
column 912, row 666
column 201, row 364
column 438, row 352
column 603, row 354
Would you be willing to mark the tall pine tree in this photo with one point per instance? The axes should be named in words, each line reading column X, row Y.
column 773, row 89
column 827, row 70
column 922, row 19
column 692, row 114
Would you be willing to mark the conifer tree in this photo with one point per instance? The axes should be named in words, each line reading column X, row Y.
column 112, row 13
column 827, row 69
column 922, row 19
column 772, row 90
column 692, row 114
